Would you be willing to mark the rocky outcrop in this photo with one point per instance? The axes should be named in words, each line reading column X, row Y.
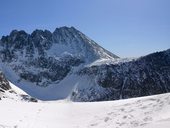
column 145, row 76
column 4, row 84
column 61, row 64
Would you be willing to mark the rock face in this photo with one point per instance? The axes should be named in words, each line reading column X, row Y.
column 44, row 57
column 145, row 76
column 64, row 64
column 4, row 84
column 6, row 91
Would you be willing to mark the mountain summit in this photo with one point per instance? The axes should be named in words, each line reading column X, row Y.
column 40, row 61
column 63, row 41
column 68, row 64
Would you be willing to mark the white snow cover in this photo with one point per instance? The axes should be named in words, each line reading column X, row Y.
column 17, row 89
column 110, row 61
column 146, row 112
column 14, row 93
column 66, row 42
column 55, row 91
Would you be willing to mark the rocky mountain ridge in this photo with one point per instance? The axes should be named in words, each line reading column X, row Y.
column 144, row 76
column 64, row 64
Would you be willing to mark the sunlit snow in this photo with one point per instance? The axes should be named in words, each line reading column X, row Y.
column 146, row 112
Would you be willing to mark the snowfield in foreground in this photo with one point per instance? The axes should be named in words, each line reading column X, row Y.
column 146, row 112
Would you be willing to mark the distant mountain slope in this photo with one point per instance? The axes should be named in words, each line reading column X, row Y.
column 68, row 64
column 144, row 76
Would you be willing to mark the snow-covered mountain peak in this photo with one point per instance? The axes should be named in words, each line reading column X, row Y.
column 44, row 58
column 79, row 44
column 68, row 64
column 62, row 40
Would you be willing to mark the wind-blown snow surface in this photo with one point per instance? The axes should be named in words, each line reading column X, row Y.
column 146, row 112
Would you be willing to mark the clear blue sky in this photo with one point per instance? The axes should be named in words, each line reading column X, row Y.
column 128, row 28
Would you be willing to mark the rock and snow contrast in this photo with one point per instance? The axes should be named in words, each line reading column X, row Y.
column 144, row 112
column 68, row 64
column 10, row 91
column 44, row 64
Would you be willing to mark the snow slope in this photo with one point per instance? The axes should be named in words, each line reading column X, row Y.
column 68, row 64
column 16, row 94
column 146, row 112
column 17, row 89
column 43, row 63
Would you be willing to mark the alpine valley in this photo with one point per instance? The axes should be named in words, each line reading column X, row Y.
column 66, row 64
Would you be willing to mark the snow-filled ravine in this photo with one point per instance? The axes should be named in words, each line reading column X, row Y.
column 145, row 112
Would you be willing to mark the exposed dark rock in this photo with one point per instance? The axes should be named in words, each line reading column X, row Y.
column 145, row 76
column 4, row 84
column 45, row 59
